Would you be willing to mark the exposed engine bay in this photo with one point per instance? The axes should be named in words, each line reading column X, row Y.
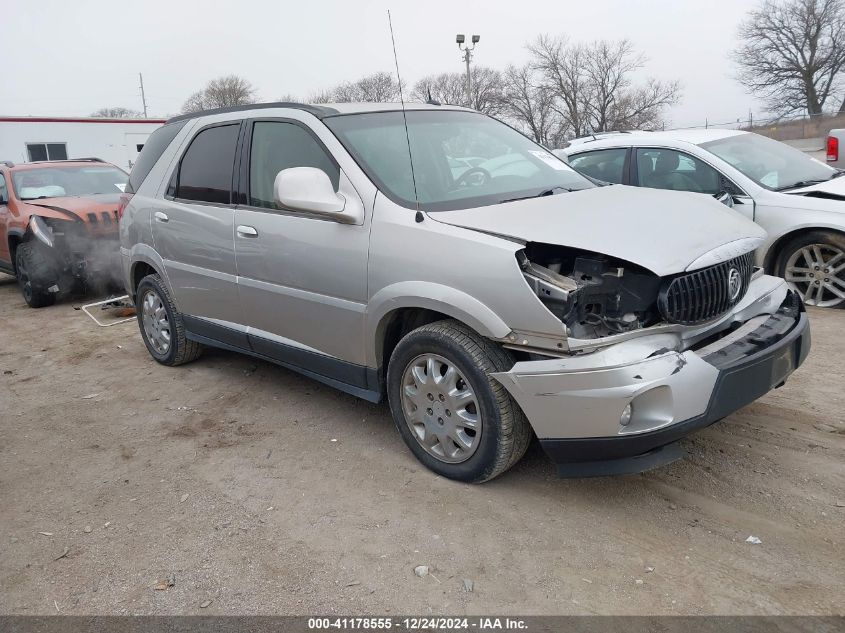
column 592, row 294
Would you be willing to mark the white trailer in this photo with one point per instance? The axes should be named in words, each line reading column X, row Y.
column 117, row 141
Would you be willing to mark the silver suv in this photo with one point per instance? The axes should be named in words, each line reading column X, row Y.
column 440, row 259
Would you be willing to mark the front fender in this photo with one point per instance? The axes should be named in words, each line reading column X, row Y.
column 432, row 296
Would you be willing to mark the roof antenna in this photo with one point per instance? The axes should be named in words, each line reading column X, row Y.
column 419, row 217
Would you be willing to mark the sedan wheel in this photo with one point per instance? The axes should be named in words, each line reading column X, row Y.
column 817, row 271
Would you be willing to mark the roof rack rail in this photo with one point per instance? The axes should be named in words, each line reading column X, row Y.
column 319, row 111
column 92, row 159
column 8, row 163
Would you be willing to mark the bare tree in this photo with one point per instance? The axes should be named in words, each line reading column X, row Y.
column 222, row 92
column 322, row 96
column 527, row 104
column 486, row 89
column 289, row 98
column 592, row 88
column 117, row 113
column 445, row 88
column 378, row 87
column 792, row 52
column 642, row 107
column 562, row 67
column 614, row 103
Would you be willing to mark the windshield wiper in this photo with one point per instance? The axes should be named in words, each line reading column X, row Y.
column 36, row 198
column 544, row 192
column 800, row 183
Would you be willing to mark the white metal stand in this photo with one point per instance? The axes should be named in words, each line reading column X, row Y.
column 86, row 307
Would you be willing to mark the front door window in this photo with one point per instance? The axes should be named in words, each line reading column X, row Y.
column 670, row 169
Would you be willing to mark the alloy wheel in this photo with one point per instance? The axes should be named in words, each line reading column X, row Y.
column 155, row 322
column 441, row 408
column 817, row 271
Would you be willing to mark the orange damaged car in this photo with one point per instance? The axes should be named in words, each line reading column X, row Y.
column 58, row 227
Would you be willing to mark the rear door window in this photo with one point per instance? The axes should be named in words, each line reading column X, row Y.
column 602, row 164
column 205, row 173
column 151, row 151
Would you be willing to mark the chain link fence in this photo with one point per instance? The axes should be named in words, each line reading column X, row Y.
column 781, row 128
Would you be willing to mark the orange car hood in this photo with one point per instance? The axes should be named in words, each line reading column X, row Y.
column 92, row 209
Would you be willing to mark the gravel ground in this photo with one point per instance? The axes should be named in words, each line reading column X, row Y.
column 127, row 487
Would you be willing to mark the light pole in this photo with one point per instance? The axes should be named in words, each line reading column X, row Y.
column 459, row 40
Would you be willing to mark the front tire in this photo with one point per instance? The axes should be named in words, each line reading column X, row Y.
column 456, row 419
column 161, row 324
column 35, row 272
column 814, row 265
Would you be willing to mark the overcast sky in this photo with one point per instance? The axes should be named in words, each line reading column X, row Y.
column 71, row 58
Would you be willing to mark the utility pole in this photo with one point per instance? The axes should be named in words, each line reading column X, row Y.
column 143, row 96
column 459, row 40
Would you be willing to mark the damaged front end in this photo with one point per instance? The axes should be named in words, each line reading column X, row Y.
column 77, row 255
column 593, row 295
column 670, row 367
column 601, row 300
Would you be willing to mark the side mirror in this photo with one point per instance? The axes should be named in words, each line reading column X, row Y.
column 725, row 198
column 307, row 189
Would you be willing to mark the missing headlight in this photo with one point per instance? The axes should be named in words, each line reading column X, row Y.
column 593, row 294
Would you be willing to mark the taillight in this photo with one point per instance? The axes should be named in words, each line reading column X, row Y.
column 121, row 206
column 832, row 149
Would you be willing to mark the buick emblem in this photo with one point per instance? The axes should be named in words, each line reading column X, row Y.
column 734, row 284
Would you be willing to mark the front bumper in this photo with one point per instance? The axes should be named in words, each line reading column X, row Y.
column 575, row 407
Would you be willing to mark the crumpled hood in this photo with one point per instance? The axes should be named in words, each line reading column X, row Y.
column 663, row 231
column 103, row 206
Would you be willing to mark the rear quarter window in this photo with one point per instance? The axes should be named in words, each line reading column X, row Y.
column 153, row 149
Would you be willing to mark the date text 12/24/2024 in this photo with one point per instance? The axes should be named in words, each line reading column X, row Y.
column 417, row 624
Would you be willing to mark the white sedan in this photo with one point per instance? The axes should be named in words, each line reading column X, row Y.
column 798, row 200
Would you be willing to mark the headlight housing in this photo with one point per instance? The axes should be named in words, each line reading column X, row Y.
column 42, row 230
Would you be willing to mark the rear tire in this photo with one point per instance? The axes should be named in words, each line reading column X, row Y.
column 456, row 419
column 814, row 265
column 36, row 272
column 161, row 324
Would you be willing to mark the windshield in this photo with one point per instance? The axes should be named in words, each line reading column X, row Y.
column 461, row 159
column 55, row 182
column 769, row 163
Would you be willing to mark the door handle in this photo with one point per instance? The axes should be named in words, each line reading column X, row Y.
column 161, row 217
column 247, row 231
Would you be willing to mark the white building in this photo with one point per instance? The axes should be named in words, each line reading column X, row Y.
column 117, row 141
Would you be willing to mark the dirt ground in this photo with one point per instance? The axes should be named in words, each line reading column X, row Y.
column 246, row 485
